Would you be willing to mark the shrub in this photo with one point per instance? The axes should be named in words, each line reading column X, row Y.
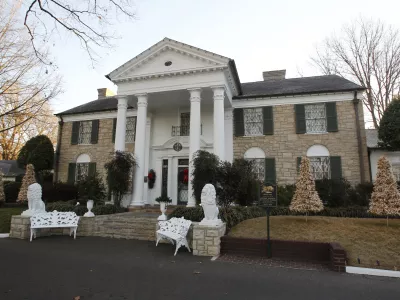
column 11, row 190
column 54, row 192
column 80, row 210
column 91, row 188
column 39, row 152
column 45, row 176
column 108, row 209
column 60, row 206
column 164, row 198
column 119, row 170
column 205, row 171
column 285, row 194
column 389, row 127
column 362, row 194
column 194, row 214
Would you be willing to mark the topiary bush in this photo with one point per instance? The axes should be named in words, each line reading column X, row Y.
column 39, row 152
column 11, row 191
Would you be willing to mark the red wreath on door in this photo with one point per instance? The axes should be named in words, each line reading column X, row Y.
column 185, row 176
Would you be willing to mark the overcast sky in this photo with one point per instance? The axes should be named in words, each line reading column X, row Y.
column 258, row 35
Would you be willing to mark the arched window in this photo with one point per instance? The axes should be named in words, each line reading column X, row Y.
column 320, row 161
column 257, row 155
column 82, row 166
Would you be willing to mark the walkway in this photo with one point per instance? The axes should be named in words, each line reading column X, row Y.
column 60, row 268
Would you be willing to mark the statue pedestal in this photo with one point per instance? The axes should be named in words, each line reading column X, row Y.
column 210, row 223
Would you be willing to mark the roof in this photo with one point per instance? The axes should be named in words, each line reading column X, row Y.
column 297, row 86
column 104, row 104
column 10, row 168
column 372, row 138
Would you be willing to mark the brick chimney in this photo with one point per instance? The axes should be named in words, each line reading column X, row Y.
column 104, row 92
column 274, row 75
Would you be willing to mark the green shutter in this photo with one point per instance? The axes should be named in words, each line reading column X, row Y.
column 114, row 129
column 268, row 127
column 298, row 164
column 300, row 118
column 331, row 117
column 239, row 121
column 92, row 169
column 336, row 167
column 75, row 133
column 71, row 173
column 270, row 172
column 95, row 132
column 134, row 136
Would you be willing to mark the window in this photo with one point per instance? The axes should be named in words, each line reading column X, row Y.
column 257, row 155
column 253, row 121
column 396, row 171
column 85, row 132
column 82, row 166
column 130, row 130
column 315, row 115
column 185, row 124
column 320, row 162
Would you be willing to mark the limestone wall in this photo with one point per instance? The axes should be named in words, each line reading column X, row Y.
column 285, row 145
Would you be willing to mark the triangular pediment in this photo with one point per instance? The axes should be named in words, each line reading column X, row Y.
column 168, row 57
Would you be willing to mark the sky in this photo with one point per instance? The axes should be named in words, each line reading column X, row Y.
column 258, row 35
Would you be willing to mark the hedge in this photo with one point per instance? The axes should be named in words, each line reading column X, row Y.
column 80, row 210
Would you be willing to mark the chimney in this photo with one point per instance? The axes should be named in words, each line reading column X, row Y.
column 274, row 75
column 104, row 92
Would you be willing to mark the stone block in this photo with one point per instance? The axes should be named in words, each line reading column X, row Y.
column 212, row 232
column 198, row 234
column 209, row 243
column 213, row 250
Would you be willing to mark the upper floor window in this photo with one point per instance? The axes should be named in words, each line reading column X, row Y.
column 315, row 118
column 130, row 130
column 253, row 121
column 85, row 132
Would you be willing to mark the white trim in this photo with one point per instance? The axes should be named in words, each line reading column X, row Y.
column 96, row 116
column 254, row 152
column 317, row 151
column 83, row 159
column 296, row 99
column 373, row 272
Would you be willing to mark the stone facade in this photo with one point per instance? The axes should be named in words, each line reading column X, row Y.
column 99, row 153
column 206, row 240
column 285, row 145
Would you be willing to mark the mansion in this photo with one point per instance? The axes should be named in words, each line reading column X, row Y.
column 174, row 99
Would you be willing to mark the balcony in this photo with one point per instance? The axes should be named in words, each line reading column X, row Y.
column 183, row 130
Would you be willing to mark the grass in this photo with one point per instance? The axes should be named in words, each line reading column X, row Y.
column 370, row 240
column 5, row 217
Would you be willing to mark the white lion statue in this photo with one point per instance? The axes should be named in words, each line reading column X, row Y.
column 209, row 205
column 35, row 203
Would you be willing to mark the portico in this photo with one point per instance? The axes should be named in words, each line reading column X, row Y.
column 169, row 84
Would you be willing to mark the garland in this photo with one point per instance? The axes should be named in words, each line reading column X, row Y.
column 151, row 176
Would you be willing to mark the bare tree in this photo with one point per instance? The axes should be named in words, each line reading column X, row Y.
column 26, row 85
column 88, row 20
column 367, row 52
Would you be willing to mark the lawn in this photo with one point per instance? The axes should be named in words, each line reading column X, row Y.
column 5, row 217
column 367, row 239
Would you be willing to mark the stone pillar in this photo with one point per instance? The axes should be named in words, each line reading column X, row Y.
column 219, row 117
column 140, row 143
column 229, row 134
column 121, row 124
column 194, row 138
column 207, row 239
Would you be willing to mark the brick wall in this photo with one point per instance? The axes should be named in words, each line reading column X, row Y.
column 285, row 145
column 99, row 153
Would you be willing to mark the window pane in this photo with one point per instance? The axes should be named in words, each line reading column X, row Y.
column 82, row 170
column 320, row 167
column 85, row 132
column 185, row 124
column 130, row 130
column 315, row 118
column 253, row 121
column 258, row 168
column 396, row 172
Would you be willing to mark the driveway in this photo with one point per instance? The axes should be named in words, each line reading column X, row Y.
column 57, row 268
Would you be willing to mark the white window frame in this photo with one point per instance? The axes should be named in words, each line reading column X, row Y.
column 253, row 123
column 82, row 140
column 309, row 120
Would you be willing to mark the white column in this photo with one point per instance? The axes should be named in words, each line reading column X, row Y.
column 194, row 138
column 121, row 124
column 169, row 180
column 147, row 166
column 229, row 134
column 219, row 131
column 137, row 198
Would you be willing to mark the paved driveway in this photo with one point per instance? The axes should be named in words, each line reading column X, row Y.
column 57, row 268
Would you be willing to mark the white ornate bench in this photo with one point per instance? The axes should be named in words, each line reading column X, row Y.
column 54, row 219
column 176, row 230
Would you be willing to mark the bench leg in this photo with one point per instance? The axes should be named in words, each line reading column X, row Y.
column 158, row 239
column 177, row 247
column 71, row 230
column 187, row 245
column 32, row 230
column 75, row 233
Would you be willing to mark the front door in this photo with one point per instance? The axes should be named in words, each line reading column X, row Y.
column 183, row 181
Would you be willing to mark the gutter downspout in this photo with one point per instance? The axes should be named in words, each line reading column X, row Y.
column 57, row 158
column 356, row 101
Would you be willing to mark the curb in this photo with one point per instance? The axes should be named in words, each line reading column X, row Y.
column 4, row 235
column 373, row 272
